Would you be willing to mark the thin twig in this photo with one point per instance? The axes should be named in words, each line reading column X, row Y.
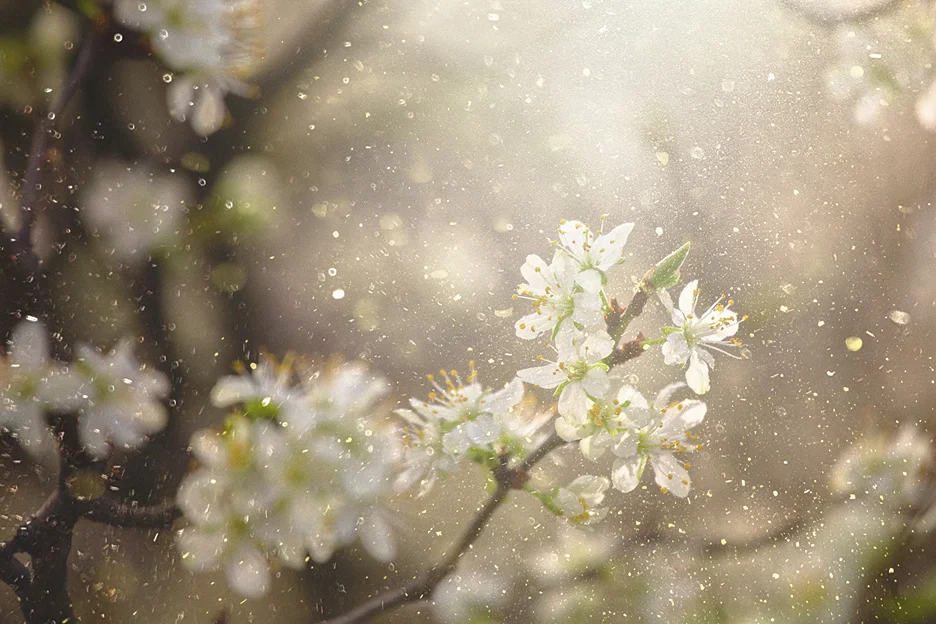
column 114, row 513
column 422, row 586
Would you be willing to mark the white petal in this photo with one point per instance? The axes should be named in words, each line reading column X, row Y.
column 596, row 382
column 548, row 376
column 629, row 394
column 573, row 236
column 247, row 571
column 697, row 375
column 232, row 389
column 377, row 537
column 29, row 345
column 675, row 349
column 664, row 397
column 590, row 281
column 669, row 473
column 92, row 436
column 597, row 346
column 926, row 108
column 503, row 400
column 626, row 445
column 573, row 404
column 624, row 473
column 200, row 550
column 570, row 431
column 678, row 421
column 532, row 325
column 687, row 298
column 608, row 248
column 179, row 97
column 535, row 271
column 210, row 111
column 666, row 300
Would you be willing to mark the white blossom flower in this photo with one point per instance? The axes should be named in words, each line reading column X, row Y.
column 221, row 497
column 133, row 210
column 25, row 387
column 696, row 334
column 558, row 301
column 266, row 391
column 661, row 435
column 607, row 418
column 579, row 501
column 121, row 399
column 216, row 43
column 592, row 256
column 301, row 471
column 456, row 421
column 578, row 372
column 886, row 467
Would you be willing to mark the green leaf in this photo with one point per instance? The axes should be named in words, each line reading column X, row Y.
column 666, row 272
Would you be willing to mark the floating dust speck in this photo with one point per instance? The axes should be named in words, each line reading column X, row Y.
column 853, row 343
column 697, row 152
column 899, row 317
column 788, row 289
column 505, row 313
column 439, row 274
column 338, row 293
column 663, row 157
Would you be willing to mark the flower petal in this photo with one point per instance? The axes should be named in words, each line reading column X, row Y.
column 669, row 473
column 608, row 248
column 624, row 473
column 687, row 298
column 548, row 376
column 247, row 571
column 697, row 375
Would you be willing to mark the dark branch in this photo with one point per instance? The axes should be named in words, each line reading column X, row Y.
column 108, row 511
column 40, row 138
column 422, row 586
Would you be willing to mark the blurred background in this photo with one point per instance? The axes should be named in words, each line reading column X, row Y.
column 376, row 200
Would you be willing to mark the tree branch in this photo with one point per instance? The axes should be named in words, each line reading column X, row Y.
column 422, row 586
column 114, row 513
column 40, row 138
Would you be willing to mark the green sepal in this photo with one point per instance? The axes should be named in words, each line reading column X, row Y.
column 666, row 272
column 561, row 388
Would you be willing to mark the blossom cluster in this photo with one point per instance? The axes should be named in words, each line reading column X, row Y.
column 462, row 421
column 299, row 470
column 117, row 401
column 597, row 408
column 216, row 44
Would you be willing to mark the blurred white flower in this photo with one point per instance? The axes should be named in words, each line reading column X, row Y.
column 121, row 399
column 889, row 468
column 580, row 500
column 135, row 211
column 25, row 387
column 695, row 335
column 266, row 391
column 216, row 43
column 300, row 471
column 661, row 433
column 558, row 301
column 219, row 500
column 592, row 256
column 471, row 596
column 578, row 373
